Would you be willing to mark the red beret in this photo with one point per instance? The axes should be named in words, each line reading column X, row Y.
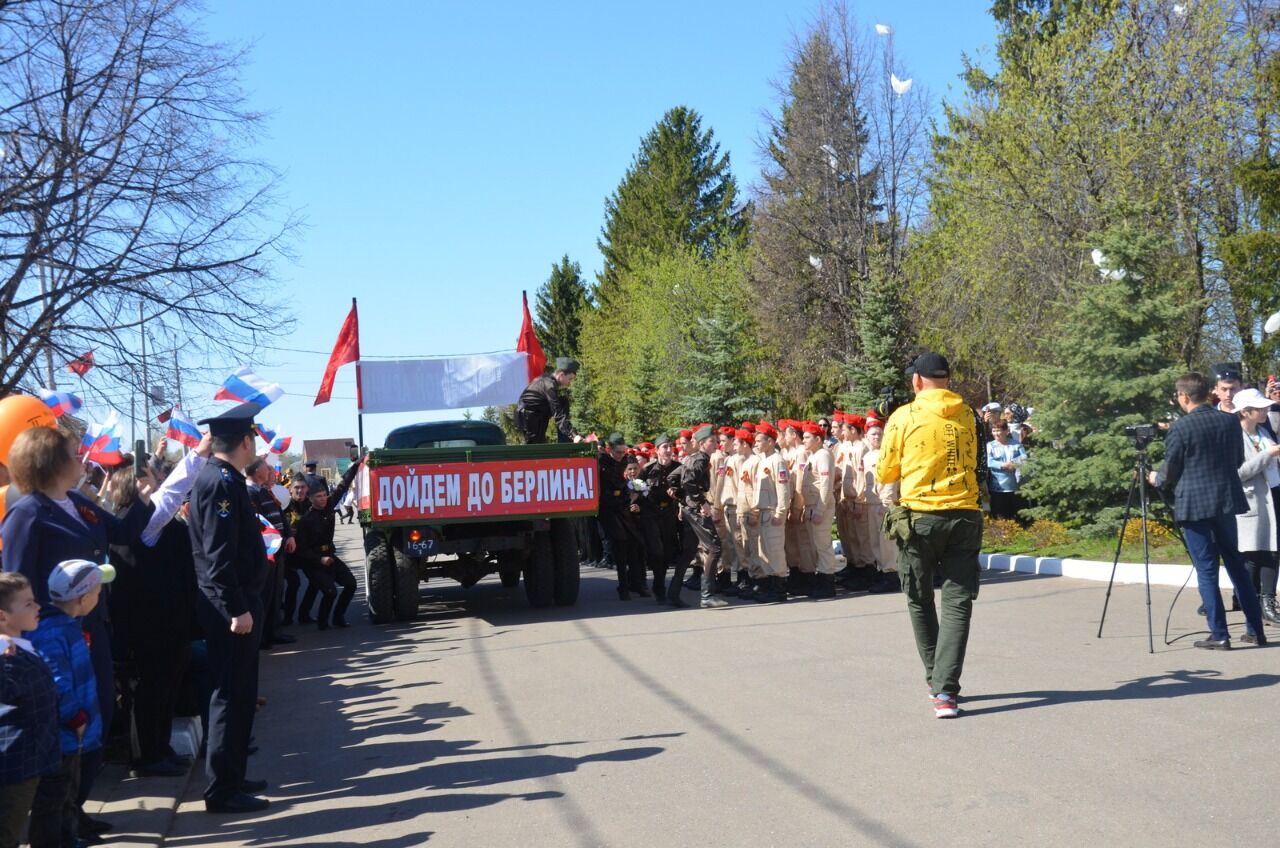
column 725, row 431
column 767, row 429
column 687, row 434
column 744, row 435
column 875, row 422
column 856, row 421
column 645, row 446
column 837, row 417
column 811, row 428
column 748, row 426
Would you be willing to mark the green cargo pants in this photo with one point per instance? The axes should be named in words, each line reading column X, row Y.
column 945, row 543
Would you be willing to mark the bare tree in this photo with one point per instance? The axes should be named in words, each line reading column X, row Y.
column 126, row 197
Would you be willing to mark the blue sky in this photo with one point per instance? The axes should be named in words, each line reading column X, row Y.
column 443, row 155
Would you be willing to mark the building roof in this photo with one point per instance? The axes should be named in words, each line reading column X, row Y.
column 320, row 450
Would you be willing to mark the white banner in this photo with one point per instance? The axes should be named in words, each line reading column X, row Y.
column 423, row 385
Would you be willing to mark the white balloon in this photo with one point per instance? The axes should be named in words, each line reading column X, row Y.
column 1273, row 323
column 899, row 86
column 1099, row 258
column 815, row 262
column 884, row 29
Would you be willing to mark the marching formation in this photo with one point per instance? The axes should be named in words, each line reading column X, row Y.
column 761, row 508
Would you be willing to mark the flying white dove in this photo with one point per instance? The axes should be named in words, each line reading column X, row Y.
column 832, row 160
column 1180, row 10
column 1273, row 323
column 1108, row 273
column 900, row 87
column 884, row 29
column 815, row 262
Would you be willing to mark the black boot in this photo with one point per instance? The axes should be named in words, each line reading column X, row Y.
column 709, row 599
column 1269, row 613
column 746, row 586
column 326, row 609
column 695, row 578
column 623, row 594
column 673, row 594
column 824, row 586
column 660, row 586
column 725, row 585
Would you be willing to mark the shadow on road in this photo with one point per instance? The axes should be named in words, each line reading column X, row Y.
column 1172, row 684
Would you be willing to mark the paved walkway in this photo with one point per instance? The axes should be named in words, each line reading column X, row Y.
column 804, row 724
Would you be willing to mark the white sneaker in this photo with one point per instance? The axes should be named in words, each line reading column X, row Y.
column 944, row 706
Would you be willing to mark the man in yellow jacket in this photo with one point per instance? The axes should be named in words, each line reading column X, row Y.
column 931, row 448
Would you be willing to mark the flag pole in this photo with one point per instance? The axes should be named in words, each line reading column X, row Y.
column 359, row 397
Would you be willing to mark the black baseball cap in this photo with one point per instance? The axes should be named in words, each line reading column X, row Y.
column 929, row 365
column 617, row 440
column 1227, row 371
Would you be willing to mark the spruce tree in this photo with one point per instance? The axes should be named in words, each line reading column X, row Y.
column 716, row 385
column 677, row 193
column 1112, row 365
column 878, row 364
column 558, row 308
column 642, row 412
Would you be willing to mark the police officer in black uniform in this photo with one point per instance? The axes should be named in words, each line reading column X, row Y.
column 700, row 539
column 231, row 570
column 541, row 401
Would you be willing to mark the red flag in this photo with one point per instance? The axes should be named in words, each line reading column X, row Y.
column 81, row 364
column 528, row 343
column 345, row 349
column 164, row 416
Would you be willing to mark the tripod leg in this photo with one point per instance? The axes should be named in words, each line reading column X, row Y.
column 1146, row 555
column 1128, row 507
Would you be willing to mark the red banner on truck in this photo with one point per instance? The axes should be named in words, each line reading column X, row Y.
column 481, row 489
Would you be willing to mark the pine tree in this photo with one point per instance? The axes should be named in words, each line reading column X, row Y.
column 558, row 308
column 815, row 221
column 1112, row 364
column 642, row 412
column 716, row 386
column 677, row 193
column 878, row 364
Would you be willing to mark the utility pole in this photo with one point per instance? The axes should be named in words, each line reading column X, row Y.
column 146, row 386
column 177, row 376
column 48, row 341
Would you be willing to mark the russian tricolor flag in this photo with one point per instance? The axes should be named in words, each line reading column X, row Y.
column 280, row 445
column 62, row 403
column 101, row 444
column 244, row 386
column 270, row 538
column 266, row 433
column 182, row 429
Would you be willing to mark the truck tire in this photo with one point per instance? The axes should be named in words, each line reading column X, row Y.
column 509, row 568
column 564, row 546
column 406, row 587
column 379, row 582
column 540, row 572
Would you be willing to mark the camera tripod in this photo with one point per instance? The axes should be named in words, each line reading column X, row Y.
column 1139, row 488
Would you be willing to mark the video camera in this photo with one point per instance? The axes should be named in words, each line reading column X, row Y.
column 889, row 401
column 1142, row 434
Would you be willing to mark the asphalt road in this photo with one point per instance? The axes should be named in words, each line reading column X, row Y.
column 800, row 724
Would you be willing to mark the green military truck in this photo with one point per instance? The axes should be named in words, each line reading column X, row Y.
column 452, row 499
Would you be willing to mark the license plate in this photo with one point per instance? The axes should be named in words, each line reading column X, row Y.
column 422, row 547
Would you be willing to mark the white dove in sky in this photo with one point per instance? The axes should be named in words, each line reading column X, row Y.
column 884, row 29
column 899, row 86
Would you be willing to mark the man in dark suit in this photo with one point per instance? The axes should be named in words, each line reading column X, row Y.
column 1202, row 454
column 541, row 401
column 231, row 570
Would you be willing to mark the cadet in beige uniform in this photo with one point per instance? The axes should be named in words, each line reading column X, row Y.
column 770, row 503
column 818, row 489
column 881, row 497
column 721, row 485
column 749, row 520
column 857, row 547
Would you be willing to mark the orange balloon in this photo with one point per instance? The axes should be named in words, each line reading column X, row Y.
column 18, row 413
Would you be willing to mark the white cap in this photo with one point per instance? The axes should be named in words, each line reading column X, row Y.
column 1251, row 399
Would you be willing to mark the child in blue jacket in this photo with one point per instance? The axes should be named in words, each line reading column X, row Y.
column 74, row 587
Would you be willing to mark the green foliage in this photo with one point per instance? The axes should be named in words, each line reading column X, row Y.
column 879, row 362
column 716, row 383
column 678, row 194
column 635, row 349
column 558, row 309
column 1110, row 365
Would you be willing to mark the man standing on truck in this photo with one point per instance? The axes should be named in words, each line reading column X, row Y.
column 541, row 401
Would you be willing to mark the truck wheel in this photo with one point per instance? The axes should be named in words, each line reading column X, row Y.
column 379, row 593
column 564, row 546
column 540, row 572
column 509, row 568
column 406, row 574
